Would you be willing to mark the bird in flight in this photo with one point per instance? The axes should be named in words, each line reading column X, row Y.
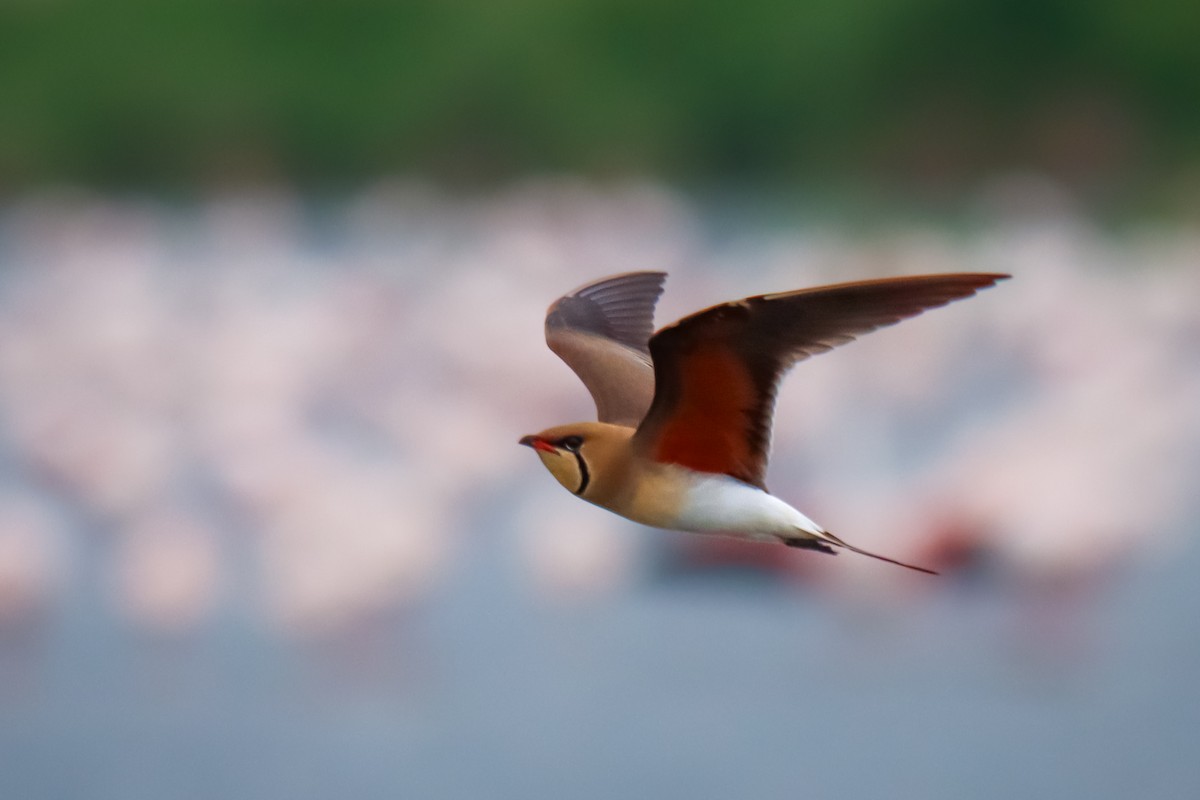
column 684, row 415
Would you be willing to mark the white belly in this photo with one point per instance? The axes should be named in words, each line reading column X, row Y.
column 720, row 504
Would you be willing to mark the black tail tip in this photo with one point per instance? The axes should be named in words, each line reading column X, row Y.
column 810, row 544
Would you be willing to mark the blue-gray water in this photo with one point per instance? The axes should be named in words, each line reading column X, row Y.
column 710, row 686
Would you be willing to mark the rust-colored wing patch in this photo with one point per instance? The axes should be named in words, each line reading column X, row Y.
column 716, row 371
column 708, row 430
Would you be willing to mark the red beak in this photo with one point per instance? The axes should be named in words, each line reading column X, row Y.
column 538, row 444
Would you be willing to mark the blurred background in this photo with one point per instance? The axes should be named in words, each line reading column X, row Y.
column 272, row 280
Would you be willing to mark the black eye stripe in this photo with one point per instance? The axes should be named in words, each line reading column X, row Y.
column 571, row 443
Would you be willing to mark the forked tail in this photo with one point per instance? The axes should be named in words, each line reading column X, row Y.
column 835, row 540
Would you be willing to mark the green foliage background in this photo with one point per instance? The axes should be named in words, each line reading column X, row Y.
column 136, row 92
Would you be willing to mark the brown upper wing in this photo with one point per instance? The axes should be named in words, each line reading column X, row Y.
column 716, row 371
column 601, row 331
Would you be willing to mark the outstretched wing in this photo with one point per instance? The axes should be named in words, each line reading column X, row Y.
column 717, row 370
column 601, row 330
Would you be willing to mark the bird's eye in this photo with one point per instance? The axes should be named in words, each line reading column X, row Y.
column 572, row 443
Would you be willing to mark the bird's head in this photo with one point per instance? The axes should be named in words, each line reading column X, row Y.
column 579, row 455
